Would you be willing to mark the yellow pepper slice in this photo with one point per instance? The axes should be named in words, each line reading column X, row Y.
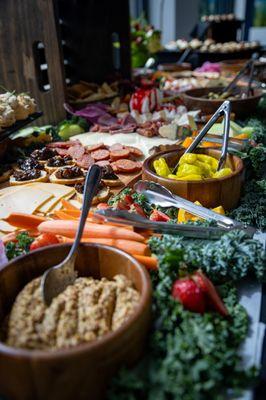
column 188, row 169
column 184, row 216
column 209, row 160
column 206, row 168
column 222, row 173
column 188, row 158
column 161, row 167
column 219, row 210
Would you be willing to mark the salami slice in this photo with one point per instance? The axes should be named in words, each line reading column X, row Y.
column 95, row 147
column 126, row 166
column 76, row 151
column 119, row 154
column 103, row 163
column 61, row 152
column 116, row 146
column 100, row 155
column 86, row 161
column 134, row 151
column 63, row 145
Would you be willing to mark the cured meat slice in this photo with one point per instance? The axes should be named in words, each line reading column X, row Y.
column 76, row 151
column 86, row 161
column 126, row 166
column 119, row 154
column 103, row 163
column 99, row 155
column 134, row 151
column 62, row 152
column 94, row 147
column 116, row 146
column 64, row 145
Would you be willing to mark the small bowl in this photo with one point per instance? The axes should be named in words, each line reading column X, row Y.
column 210, row 192
column 194, row 100
column 83, row 371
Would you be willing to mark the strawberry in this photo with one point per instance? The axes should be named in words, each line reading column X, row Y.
column 189, row 294
column 159, row 216
column 211, row 293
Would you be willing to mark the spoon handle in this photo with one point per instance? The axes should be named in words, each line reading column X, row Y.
column 92, row 180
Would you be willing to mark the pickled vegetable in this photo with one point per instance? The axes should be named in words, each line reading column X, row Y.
column 192, row 167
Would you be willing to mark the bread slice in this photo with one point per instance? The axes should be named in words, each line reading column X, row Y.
column 42, row 178
column 102, row 196
column 112, row 182
column 6, row 175
column 50, row 170
column 71, row 181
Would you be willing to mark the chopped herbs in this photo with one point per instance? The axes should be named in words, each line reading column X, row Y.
column 22, row 246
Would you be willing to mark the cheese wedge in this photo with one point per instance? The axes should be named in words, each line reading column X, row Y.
column 25, row 200
column 51, row 204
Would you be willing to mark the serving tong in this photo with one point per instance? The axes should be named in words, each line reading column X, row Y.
column 224, row 109
column 159, row 195
column 250, row 65
column 57, row 278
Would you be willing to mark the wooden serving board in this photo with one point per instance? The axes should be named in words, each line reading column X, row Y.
column 128, row 181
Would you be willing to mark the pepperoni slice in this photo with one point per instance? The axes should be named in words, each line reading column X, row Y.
column 86, row 161
column 63, row 145
column 116, row 146
column 99, row 155
column 76, row 151
column 61, row 152
column 103, row 163
column 119, row 154
column 126, row 166
column 134, row 151
column 95, row 147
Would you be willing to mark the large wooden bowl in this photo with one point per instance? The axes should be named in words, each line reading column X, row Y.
column 81, row 372
column 210, row 192
column 194, row 99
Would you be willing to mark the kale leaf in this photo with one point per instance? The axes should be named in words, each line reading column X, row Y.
column 22, row 246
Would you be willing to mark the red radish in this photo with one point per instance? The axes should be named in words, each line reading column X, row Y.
column 208, row 288
column 190, row 295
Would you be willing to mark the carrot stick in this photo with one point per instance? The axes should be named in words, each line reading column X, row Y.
column 149, row 262
column 129, row 246
column 24, row 221
column 66, row 204
column 69, row 228
column 73, row 213
column 62, row 215
column 12, row 236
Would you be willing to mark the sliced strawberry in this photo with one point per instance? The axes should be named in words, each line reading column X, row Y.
column 208, row 288
column 135, row 207
column 102, row 206
column 128, row 199
column 159, row 216
column 122, row 205
column 189, row 294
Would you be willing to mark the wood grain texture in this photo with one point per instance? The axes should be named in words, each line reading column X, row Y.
column 81, row 372
column 210, row 192
column 241, row 107
column 23, row 24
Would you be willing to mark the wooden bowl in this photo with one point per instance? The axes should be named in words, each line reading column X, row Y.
column 80, row 372
column 210, row 192
column 194, row 100
column 232, row 66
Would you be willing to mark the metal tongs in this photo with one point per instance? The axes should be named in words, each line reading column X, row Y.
column 159, row 195
column 225, row 109
column 248, row 66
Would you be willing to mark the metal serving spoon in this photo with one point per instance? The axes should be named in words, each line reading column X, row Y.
column 57, row 278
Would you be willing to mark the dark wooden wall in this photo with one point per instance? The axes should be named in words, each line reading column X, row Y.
column 22, row 25
column 86, row 30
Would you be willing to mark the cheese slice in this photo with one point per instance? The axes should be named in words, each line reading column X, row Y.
column 51, row 204
column 25, row 200
column 6, row 227
column 55, row 189
column 9, row 189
